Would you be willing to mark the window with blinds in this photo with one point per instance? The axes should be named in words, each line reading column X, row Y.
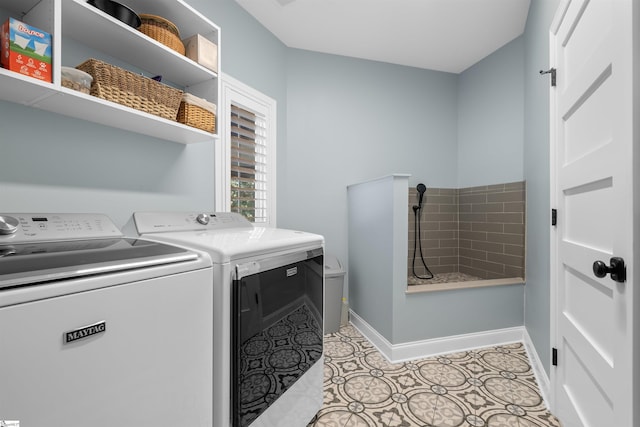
column 249, row 184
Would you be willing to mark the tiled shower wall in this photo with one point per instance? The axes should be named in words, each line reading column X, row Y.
column 477, row 230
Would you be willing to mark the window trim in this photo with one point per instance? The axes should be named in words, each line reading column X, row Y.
column 242, row 95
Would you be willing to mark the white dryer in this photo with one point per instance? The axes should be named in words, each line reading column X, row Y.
column 268, row 288
column 100, row 330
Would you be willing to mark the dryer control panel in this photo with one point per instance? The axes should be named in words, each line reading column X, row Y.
column 44, row 227
column 160, row 222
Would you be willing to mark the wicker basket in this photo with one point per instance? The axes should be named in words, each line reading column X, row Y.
column 133, row 90
column 195, row 115
column 162, row 30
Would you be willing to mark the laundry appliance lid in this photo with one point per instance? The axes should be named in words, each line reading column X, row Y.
column 231, row 244
column 37, row 262
column 226, row 236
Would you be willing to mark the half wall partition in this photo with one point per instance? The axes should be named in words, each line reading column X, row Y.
column 399, row 319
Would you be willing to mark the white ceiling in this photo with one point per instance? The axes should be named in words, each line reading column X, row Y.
column 443, row 35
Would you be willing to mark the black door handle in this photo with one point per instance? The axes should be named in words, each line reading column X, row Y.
column 617, row 269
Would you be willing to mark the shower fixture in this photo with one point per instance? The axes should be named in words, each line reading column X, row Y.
column 421, row 188
column 417, row 211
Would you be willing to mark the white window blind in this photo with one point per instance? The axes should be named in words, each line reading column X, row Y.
column 249, row 170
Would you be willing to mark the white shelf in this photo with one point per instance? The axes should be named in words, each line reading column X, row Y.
column 79, row 105
column 121, row 41
column 98, row 31
column 23, row 89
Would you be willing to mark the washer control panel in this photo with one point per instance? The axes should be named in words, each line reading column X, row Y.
column 32, row 227
column 159, row 222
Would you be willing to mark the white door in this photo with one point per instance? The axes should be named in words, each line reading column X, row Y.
column 592, row 189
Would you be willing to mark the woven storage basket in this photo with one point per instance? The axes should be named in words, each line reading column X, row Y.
column 133, row 90
column 162, row 30
column 195, row 116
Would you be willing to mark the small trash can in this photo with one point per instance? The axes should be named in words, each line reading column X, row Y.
column 333, row 288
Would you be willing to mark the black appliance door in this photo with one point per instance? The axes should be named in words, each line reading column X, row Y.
column 276, row 329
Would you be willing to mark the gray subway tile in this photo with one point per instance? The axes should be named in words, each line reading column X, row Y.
column 488, row 246
column 488, row 207
column 512, row 239
column 449, row 260
column 473, row 254
column 514, row 261
column 429, row 225
column 493, row 227
column 448, row 225
column 441, row 234
column 514, row 207
column 464, row 199
column 507, row 196
column 440, row 252
column 510, row 271
column 464, row 226
column 473, row 235
column 472, row 217
column 514, row 228
column 517, row 250
column 442, row 200
column 505, row 218
column 448, row 243
column 448, row 208
column 520, row 185
column 448, row 191
column 465, row 243
column 495, row 188
column 493, row 267
column 476, row 230
column 439, row 217
column 464, row 208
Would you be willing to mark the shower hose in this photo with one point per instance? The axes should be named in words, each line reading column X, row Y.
column 417, row 241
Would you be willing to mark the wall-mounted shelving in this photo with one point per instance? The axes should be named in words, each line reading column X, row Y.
column 77, row 20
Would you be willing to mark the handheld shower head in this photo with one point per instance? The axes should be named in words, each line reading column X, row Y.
column 421, row 188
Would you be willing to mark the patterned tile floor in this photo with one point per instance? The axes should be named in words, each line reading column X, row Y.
column 489, row 387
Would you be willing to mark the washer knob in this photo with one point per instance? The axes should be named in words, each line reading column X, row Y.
column 8, row 224
column 203, row 219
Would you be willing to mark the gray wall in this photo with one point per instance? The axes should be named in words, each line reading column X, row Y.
column 52, row 163
column 536, row 172
column 351, row 120
column 490, row 118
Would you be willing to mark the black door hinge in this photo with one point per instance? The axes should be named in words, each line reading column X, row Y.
column 554, row 217
column 554, row 356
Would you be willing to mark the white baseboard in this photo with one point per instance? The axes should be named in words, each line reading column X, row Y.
column 396, row 353
column 544, row 384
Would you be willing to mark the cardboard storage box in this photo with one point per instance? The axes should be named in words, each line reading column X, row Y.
column 25, row 49
column 203, row 51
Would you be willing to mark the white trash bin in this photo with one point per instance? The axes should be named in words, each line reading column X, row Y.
column 333, row 289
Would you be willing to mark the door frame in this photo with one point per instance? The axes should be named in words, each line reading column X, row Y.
column 553, row 177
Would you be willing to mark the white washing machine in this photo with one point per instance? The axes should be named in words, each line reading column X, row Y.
column 268, row 314
column 100, row 330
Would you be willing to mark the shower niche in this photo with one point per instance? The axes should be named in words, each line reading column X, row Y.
column 471, row 238
column 467, row 237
